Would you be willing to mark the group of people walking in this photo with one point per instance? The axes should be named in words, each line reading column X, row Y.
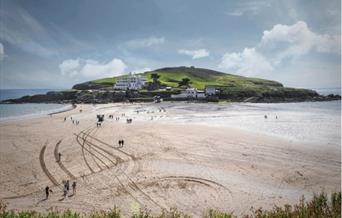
column 121, row 143
column 110, row 116
column 265, row 116
column 77, row 122
column 66, row 189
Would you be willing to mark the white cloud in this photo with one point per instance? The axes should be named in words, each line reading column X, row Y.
column 70, row 67
column 195, row 54
column 280, row 43
column 2, row 51
column 92, row 69
column 236, row 13
column 146, row 42
column 249, row 8
column 246, row 62
column 297, row 39
column 143, row 70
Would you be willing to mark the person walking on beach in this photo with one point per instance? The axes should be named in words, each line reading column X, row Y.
column 47, row 192
column 59, row 157
column 64, row 119
column 74, row 187
column 65, row 191
column 67, row 185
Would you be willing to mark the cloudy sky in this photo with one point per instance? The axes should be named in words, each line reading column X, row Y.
column 54, row 44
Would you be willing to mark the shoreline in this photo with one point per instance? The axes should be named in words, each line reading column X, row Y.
column 66, row 108
column 74, row 106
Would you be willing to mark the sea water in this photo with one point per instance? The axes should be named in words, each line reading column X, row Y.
column 18, row 111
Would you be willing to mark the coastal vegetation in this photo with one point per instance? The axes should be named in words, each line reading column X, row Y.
column 321, row 206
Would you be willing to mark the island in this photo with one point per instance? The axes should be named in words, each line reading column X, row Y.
column 177, row 84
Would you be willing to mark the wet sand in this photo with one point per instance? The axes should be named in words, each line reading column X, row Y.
column 163, row 164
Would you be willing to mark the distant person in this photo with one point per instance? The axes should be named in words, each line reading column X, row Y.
column 65, row 191
column 74, row 187
column 276, row 117
column 47, row 192
column 265, row 116
column 67, row 185
column 59, row 157
column 64, row 119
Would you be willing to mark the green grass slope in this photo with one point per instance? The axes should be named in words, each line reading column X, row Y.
column 199, row 78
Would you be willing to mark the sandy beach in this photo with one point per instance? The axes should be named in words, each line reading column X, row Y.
column 163, row 163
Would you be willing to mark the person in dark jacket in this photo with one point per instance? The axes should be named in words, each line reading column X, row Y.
column 47, row 192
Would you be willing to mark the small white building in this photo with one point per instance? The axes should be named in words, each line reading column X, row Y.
column 210, row 90
column 131, row 81
column 190, row 93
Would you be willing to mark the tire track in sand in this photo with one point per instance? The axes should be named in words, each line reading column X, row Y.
column 82, row 144
column 43, row 165
column 61, row 165
column 130, row 183
column 83, row 154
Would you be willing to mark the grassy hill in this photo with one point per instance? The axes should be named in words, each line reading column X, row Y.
column 231, row 86
column 199, row 78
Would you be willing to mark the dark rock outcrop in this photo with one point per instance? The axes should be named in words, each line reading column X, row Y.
column 90, row 86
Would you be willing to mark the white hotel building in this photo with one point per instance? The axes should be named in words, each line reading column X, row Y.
column 131, row 81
